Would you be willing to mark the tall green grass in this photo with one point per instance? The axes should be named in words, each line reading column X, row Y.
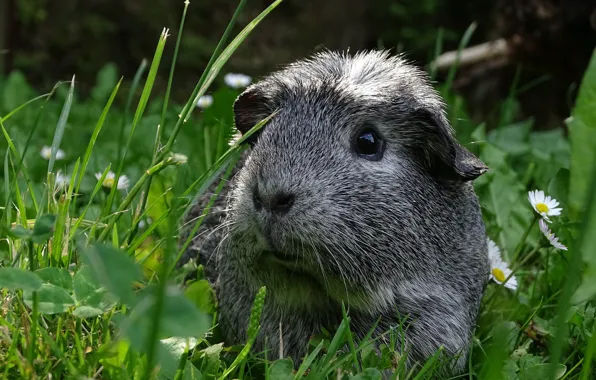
column 88, row 277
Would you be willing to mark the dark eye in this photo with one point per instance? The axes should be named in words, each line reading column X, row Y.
column 369, row 145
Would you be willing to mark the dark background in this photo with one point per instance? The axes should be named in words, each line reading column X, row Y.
column 549, row 41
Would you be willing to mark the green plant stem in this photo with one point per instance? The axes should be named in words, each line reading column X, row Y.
column 206, row 211
column 32, row 263
column 160, row 298
column 145, row 193
column 589, row 354
column 131, row 195
column 33, row 335
column 156, row 323
column 522, row 262
column 523, row 239
column 573, row 275
column 170, row 79
column 350, row 339
column 214, row 56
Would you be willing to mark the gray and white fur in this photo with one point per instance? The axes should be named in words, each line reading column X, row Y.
column 319, row 224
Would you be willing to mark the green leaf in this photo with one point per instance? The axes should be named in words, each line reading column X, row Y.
column 558, row 187
column 61, row 126
column 547, row 144
column 159, row 201
column 43, row 228
column 20, row 232
column 56, row 276
column 368, row 374
column 51, row 299
column 510, row 370
column 513, row 138
column 14, row 278
column 169, row 353
column 16, row 91
column 282, row 369
column 114, row 269
column 582, row 137
column 181, row 318
column 84, row 285
column 92, row 299
column 200, row 293
column 587, row 288
column 493, row 157
column 369, row 356
column 114, row 354
column 542, row 371
column 210, row 359
column 87, row 312
column 107, row 78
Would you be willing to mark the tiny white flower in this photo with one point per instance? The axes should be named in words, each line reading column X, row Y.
column 178, row 159
column 237, row 80
column 205, row 101
column 544, row 205
column 499, row 271
column 62, row 180
column 108, row 182
column 145, row 222
column 46, row 152
column 554, row 241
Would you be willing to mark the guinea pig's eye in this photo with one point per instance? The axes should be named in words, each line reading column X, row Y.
column 369, row 145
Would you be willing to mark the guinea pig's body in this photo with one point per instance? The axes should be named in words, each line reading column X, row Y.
column 356, row 192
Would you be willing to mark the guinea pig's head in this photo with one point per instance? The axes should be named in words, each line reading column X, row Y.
column 332, row 196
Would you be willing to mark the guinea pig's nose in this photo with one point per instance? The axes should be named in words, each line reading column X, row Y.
column 279, row 202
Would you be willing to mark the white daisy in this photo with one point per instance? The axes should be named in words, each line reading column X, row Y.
column 144, row 223
column 178, row 159
column 108, row 182
column 554, row 241
column 62, row 180
column 499, row 271
column 205, row 101
column 237, row 80
column 46, row 152
column 544, row 205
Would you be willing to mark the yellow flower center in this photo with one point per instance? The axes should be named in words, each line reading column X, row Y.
column 108, row 182
column 542, row 208
column 498, row 274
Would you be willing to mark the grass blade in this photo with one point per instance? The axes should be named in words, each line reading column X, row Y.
column 308, row 361
column 136, row 81
column 465, row 40
column 61, row 125
column 139, row 111
column 24, row 105
column 96, row 131
column 202, row 87
column 253, row 330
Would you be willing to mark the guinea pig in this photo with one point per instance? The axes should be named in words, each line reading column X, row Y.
column 354, row 192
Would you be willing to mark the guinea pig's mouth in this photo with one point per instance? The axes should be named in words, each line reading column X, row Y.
column 290, row 262
column 284, row 257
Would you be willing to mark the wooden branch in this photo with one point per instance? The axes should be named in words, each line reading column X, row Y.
column 486, row 51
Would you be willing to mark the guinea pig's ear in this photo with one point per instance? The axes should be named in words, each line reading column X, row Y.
column 249, row 109
column 446, row 157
